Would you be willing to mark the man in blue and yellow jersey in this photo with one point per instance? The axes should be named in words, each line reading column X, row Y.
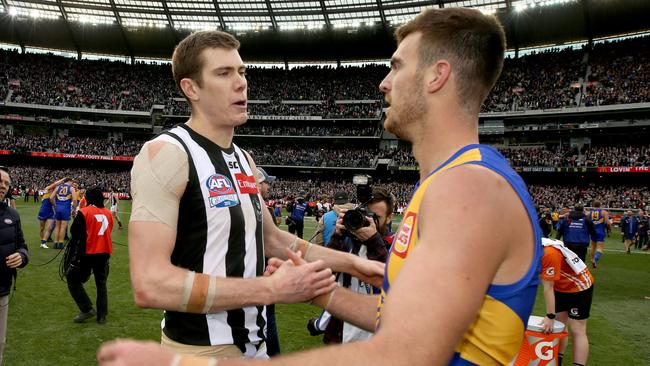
column 64, row 200
column 600, row 219
column 453, row 293
column 46, row 213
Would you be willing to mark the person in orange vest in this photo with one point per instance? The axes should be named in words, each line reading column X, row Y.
column 89, row 252
column 568, row 292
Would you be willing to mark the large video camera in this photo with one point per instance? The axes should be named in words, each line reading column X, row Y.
column 355, row 219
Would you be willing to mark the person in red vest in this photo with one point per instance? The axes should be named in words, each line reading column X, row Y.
column 89, row 252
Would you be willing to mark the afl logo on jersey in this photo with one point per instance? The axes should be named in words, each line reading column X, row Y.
column 221, row 190
column 403, row 237
column 550, row 271
column 8, row 221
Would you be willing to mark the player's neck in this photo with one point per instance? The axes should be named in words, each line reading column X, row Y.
column 219, row 134
column 443, row 138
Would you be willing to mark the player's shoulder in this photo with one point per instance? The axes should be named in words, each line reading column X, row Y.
column 469, row 184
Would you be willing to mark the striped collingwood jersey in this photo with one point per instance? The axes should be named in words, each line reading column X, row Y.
column 497, row 332
column 220, row 234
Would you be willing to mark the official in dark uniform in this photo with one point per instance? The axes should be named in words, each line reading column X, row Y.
column 14, row 251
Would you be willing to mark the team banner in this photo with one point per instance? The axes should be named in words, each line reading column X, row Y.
column 81, row 156
column 551, row 169
column 122, row 196
column 624, row 169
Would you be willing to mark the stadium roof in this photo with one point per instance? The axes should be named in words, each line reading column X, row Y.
column 284, row 30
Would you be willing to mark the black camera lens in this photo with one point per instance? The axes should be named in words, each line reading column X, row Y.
column 354, row 220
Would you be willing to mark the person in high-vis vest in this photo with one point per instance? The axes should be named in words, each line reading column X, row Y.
column 453, row 293
column 568, row 292
column 89, row 251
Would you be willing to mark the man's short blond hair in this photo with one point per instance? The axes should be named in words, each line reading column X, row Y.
column 472, row 42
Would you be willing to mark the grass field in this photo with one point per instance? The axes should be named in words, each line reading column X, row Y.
column 41, row 331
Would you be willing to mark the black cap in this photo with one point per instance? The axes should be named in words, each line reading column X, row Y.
column 341, row 198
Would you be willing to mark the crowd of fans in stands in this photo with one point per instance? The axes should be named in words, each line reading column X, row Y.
column 321, row 155
column 537, row 81
column 612, row 196
column 71, row 145
column 620, row 72
column 617, row 72
column 317, row 156
column 39, row 177
column 308, row 130
column 617, row 196
column 546, row 156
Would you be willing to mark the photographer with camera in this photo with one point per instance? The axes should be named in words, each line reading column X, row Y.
column 362, row 231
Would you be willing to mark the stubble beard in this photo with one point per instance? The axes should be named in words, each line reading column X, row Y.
column 399, row 121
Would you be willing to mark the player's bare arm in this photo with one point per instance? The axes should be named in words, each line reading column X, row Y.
column 276, row 241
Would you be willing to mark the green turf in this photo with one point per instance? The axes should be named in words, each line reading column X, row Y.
column 41, row 331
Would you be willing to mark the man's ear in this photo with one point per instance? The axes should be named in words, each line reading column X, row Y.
column 437, row 75
column 189, row 88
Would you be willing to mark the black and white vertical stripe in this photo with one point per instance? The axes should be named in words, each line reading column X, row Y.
column 218, row 241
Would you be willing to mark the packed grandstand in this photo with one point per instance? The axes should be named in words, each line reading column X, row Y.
column 327, row 117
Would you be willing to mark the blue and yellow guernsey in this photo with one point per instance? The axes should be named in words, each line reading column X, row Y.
column 63, row 194
column 496, row 334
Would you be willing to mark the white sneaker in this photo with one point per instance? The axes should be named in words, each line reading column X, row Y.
column 44, row 246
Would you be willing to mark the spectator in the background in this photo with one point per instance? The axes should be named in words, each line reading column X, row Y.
column 629, row 229
column 576, row 231
column 13, row 253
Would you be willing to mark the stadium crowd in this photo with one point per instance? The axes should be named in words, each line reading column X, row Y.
column 616, row 72
column 39, row 177
column 308, row 130
column 71, row 145
column 620, row 73
column 556, row 195
column 537, row 81
column 320, row 156
column 545, row 156
column 609, row 195
column 309, row 154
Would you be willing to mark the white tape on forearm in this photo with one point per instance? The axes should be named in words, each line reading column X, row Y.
column 187, row 290
column 309, row 245
column 212, row 291
column 176, row 361
column 329, row 300
column 294, row 244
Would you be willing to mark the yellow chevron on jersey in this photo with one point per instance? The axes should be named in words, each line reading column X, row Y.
column 477, row 345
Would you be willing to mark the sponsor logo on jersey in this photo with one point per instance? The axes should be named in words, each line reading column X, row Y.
column 246, row 183
column 221, row 190
column 8, row 221
column 404, row 235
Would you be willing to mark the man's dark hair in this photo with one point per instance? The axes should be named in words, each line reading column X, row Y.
column 382, row 195
column 95, row 197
